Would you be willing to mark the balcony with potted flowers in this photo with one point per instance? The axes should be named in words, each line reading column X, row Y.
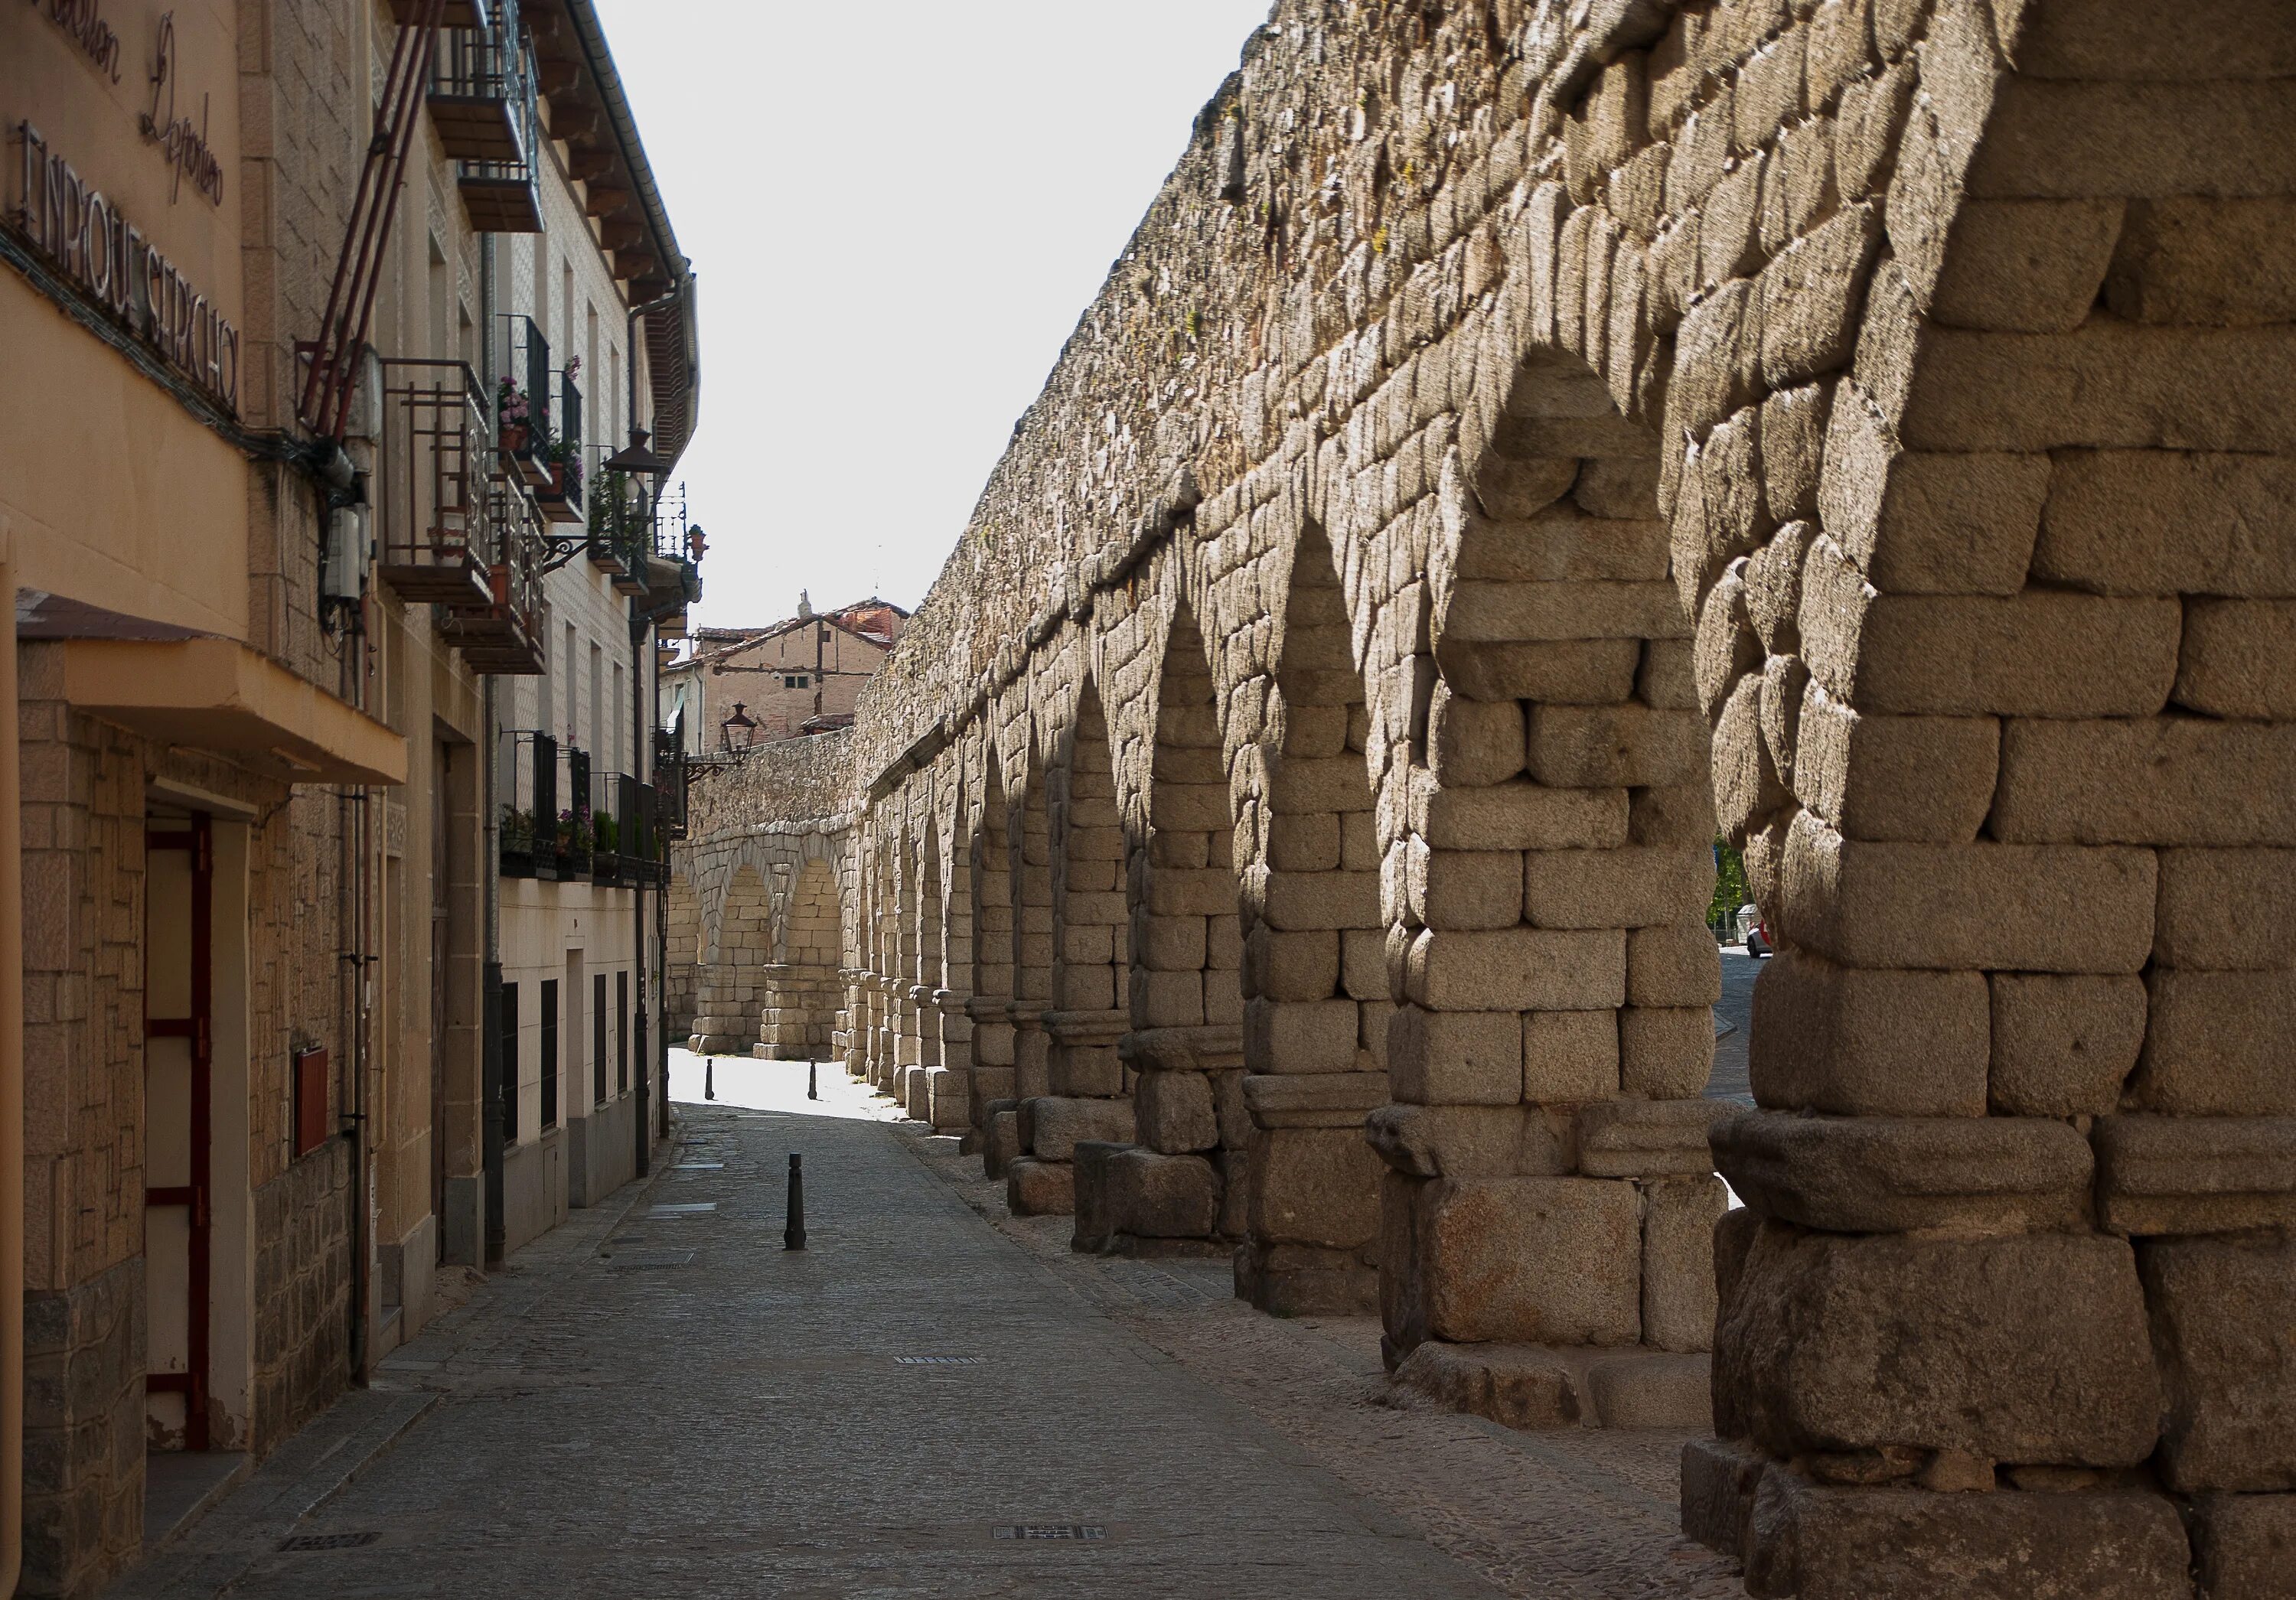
column 482, row 102
column 526, row 780
column 505, row 631
column 559, row 494
column 522, row 402
column 621, row 531
column 572, row 846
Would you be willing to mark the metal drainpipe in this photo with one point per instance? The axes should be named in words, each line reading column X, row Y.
column 12, row 1109
column 640, row 629
column 493, row 1235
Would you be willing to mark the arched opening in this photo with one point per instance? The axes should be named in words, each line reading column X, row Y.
column 732, row 986
column 1086, row 1089
column 1184, row 1046
column 802, row 988
column 1548, row 1180
column 1315, row 971
column 989, row 1004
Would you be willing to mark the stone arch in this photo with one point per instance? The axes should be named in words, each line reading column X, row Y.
column 1087, row 1093
column 949, row 1090
column 738, row 938
column 683, row 956
column 802, row 988
column 1548, row 897
column 1314, row 963
column 1184, row 1046
column 1030, row 847
column 990, row 1003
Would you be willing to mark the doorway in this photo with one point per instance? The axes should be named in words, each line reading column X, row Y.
column 179, row 1135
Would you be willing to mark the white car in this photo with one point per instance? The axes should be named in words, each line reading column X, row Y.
column 1752, row 933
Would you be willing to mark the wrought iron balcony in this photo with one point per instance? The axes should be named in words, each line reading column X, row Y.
column 621, row 530
column 482, row 102
column 570, row 829
column 506, row 633
column 436, row 542
column 669, row 787
column 522, row 401
column 559, row 494
column 526, row 782
column 614, row 857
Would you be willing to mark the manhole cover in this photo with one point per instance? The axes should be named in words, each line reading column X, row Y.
column 942, row 1360
column 625, row 1259
column 327, row 1541
column 684, row 1208
column 1085, row 1532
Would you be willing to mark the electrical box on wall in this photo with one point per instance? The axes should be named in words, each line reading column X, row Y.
column 309, row 1129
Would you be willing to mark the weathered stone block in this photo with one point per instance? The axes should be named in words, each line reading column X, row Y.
column 1458, row 1057
column 1824, row 1543
column 1520, row 816
column 2154, row 522
column 1467, row 1141
column 1039, row 1188
column 1639, row 886
column 1910, row 779
column 1719, row 1481
column 1300, row 1036
column 1545, row 1260
column 1862, row 1042
column 1673, row 966
column 1051, row 1125
column 2062, row 1045
column 1292, row 965
column 2244, row 1547
column 2195, row 1175
column 1313, row 1099
column 1174, row 1112
column 1604, row 747
column 1517, row 969
column 1971, row 907
column 1922, row 522
column 2205, row 260
column 1646, row 1139
column 1665, row 1053
column 1893, row 1174
column 1841, row 1342
column 1572, row 671
column 2220, row 1330
column 1313, row 1185
column 1567, row 1056
column 1679, row 1299
column 1149, row 1195
column 2157, row 780
column 2217, row 1044
column 2238, row 658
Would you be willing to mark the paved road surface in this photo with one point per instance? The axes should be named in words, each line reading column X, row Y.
column 1733, row 1020
column 933, row 1401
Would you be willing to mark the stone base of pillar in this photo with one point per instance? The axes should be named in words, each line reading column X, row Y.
column 1303, row 1280
column 1039, row 1188
column 1532, row 1386
column 948, row 1099
column 1817, row 1541
column 1134, row 1200
column 1000, row 1136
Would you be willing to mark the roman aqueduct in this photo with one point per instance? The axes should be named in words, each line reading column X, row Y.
column 1520, row 439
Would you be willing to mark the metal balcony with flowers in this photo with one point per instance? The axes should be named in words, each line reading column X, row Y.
column 436, row 542
column 506, row 632
column 522, row 401
column 559, row 494
column 572, row 845
column 525, row 782
column 621, row 529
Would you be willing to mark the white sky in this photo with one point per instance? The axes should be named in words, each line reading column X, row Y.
column 898, row 212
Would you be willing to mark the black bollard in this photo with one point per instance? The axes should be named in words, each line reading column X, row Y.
column 812, row 1080
column 710, row 1078
column 793, row 1235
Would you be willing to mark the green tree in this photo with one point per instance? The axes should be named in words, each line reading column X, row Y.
column 1729, row 888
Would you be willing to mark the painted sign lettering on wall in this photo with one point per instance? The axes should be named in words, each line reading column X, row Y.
column 108, row 259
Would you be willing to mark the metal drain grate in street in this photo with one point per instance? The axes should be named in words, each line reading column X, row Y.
column 1081, row 1532
column 942, row 1360
column 684, row 1208
column 327, row 1541
column 624, row 1260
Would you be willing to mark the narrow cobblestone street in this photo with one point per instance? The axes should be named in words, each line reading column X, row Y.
column 933, row 1400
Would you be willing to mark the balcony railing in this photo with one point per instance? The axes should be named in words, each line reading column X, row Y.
column 506, row 632
column 570, row 829
column 526, row 784
column 669, row 787
column 560, row 495
column 436, row 543
column 621, row 530
column 614, row 856
column 522, row 401
column 481, row 100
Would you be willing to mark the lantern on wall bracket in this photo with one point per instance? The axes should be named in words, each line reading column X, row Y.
column 738, row 729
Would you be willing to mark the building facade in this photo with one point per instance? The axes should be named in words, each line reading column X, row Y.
column 739, row 686
column 287, row 580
